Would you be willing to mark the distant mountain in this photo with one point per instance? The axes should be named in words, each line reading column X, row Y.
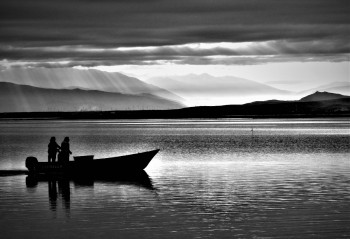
column 321, row 96
column 70, row 78
column 336, row 87
column 23, row 98
column 205, row 89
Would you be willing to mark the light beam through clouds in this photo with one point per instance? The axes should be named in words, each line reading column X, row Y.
column 147, row 38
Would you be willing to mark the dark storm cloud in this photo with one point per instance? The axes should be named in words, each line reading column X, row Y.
column 39, row 30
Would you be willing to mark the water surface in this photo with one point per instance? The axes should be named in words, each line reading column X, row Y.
column 212, row 179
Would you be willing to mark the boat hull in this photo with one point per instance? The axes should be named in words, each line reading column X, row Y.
column 121, row 165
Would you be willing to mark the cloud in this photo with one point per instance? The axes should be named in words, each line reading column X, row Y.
column 193, row 53
column 86, row 32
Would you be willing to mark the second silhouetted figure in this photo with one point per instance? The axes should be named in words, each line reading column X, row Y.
column 65, row 150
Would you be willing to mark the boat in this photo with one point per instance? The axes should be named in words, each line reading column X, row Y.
column 86, row 165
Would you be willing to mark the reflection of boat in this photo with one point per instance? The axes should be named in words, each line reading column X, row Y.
column 86, row 165
column 59, row 185
column 139, row 178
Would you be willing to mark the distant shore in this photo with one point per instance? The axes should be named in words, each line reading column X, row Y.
column 197, row 112
column 267, row 109
column 317, row 105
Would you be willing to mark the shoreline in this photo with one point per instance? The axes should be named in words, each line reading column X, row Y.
column 312, row 109
column 151, row 115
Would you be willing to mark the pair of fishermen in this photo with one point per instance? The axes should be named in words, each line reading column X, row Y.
column 64, row 150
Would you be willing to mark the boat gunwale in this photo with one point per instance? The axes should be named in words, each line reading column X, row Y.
column 155, row 151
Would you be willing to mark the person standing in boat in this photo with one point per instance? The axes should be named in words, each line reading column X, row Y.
column 53, row 149
column 65, row 150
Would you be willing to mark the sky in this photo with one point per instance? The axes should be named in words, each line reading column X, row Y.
column 290, row 44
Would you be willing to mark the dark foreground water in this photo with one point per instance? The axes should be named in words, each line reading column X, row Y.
column 211, row 179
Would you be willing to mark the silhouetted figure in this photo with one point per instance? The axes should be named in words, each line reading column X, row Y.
column 53, row 149
column 65, row 151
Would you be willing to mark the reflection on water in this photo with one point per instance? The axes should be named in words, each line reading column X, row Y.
column 63, row 192
column 211, row 179
column 59, row 188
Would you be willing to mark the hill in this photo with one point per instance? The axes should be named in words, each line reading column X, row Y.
column 342, row 87
column 23, row 98
column 321, row 96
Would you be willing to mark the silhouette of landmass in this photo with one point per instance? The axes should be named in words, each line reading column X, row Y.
column 316, row 105
column 321, row 96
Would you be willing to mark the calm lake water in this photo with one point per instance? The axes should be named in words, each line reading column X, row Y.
column 225, row 178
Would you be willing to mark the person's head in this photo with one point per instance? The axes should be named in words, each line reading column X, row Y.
column 66, row 139
column 53, row 139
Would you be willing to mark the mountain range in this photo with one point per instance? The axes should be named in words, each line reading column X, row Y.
column 196, row 89
column 70, row 78
column 23, row 98
column 69, row 89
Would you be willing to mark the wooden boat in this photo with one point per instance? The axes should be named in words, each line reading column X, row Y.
column 87, row 165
